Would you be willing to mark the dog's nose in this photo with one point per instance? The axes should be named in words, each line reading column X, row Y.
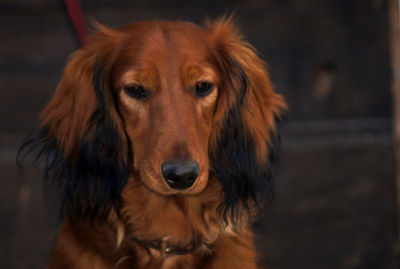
column 180, row 174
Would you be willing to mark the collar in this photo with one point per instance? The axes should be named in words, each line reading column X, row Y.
column 167, row 249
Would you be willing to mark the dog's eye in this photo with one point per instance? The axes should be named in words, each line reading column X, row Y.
column 136, row 91
column 203, row 88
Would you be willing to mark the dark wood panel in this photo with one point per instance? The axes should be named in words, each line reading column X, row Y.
column 333, row 209
column 35, row 40
column 23, row 97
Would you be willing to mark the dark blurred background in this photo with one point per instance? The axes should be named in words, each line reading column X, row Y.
column 335, row 204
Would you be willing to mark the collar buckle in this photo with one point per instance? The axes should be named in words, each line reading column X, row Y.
column 165, row 249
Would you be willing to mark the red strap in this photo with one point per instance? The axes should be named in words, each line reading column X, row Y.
column 76, row 15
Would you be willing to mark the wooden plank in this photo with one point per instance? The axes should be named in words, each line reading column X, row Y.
column 334, row 208
column 394, row 35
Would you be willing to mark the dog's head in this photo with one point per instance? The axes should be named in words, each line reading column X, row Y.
column 168, row 103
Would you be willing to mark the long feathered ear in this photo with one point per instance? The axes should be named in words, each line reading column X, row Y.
column 244, row 140
column 81, row 139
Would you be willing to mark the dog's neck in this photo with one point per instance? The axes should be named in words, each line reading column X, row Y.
column 150, row 217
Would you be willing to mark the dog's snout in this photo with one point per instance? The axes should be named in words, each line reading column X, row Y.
column 180, row 174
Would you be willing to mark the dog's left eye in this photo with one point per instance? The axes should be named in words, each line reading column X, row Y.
column 203, row 88
column 136, row 91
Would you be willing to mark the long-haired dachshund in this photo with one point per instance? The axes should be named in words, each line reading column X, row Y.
column 159, row 142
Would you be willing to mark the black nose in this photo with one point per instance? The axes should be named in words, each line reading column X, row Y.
column 180, row 174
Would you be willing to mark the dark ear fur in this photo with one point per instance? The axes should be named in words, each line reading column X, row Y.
column 80, row 141
column 245, row 180
column 246, row 139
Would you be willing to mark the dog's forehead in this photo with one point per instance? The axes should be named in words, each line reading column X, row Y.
column 165, row 49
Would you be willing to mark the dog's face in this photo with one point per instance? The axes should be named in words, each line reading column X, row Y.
column 167, row 88
column 166, row 103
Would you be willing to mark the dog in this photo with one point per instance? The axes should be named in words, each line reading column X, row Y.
column 159, row 142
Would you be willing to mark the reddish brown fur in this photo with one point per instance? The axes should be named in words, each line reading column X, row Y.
column 173, row 125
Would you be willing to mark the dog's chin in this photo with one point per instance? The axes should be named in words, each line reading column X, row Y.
column 159, row 186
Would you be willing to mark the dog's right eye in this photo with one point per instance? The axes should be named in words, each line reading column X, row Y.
column 203, row 88
column 136, row 91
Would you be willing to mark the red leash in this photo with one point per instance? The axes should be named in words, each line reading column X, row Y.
column 76, row 15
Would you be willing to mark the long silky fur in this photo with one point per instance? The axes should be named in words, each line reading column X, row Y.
column 246, row 182
column 89, row 184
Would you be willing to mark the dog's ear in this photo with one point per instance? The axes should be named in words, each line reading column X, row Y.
column 81, row 136
column 242, row 144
